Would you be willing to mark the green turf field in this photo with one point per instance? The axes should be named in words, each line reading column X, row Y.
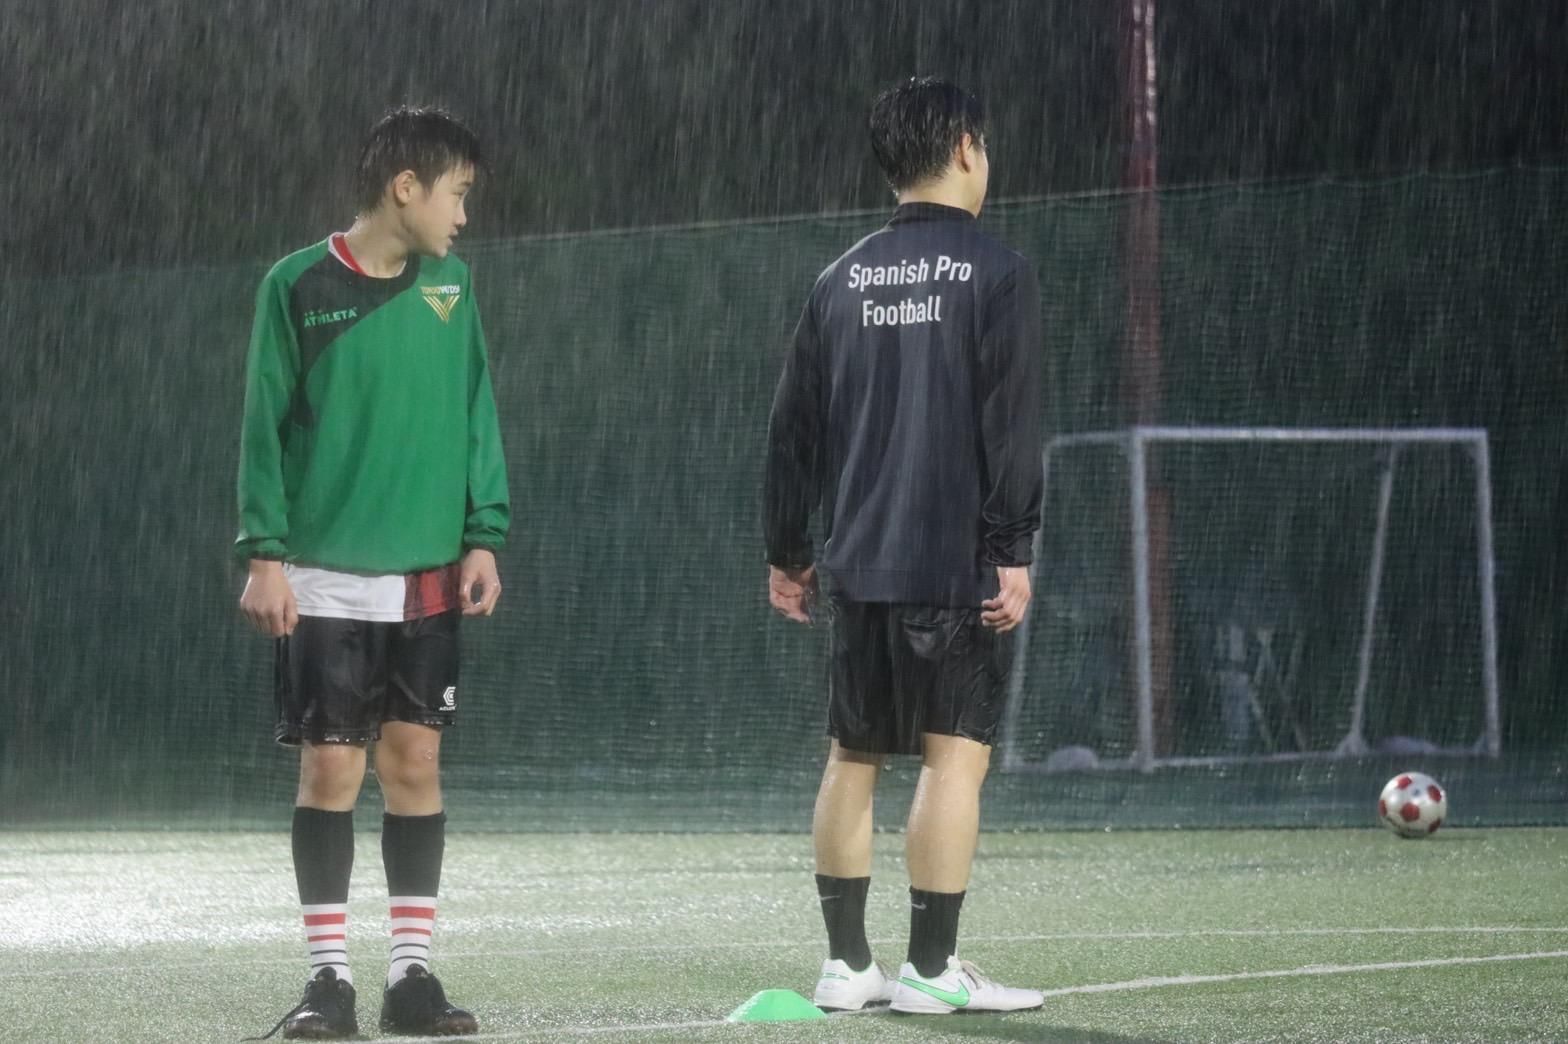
column 1327, row 935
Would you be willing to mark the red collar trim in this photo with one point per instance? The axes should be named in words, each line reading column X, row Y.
column 338, row 245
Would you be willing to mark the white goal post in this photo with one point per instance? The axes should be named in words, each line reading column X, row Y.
column 1134, row 445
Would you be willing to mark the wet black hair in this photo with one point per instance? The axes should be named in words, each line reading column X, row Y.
column 916, row 125
column 429, row 142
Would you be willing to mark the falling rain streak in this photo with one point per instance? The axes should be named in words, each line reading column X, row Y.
column 1360, row 224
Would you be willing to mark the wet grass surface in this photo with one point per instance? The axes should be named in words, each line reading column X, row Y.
column 1255, row 935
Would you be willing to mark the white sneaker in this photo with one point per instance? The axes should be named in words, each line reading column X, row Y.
column 960, row 987
column 842, row 989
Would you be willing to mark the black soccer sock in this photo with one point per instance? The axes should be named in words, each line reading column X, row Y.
column 323, row 855
column 323, row 860
column 844, row 913
column 933, row 929
column 411, row 849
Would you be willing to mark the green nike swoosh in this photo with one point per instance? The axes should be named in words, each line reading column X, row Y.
column 957, row 1000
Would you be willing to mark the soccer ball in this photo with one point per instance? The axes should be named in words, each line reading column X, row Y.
column 1412, row 805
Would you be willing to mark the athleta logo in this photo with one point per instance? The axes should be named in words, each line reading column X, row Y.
column 321, row 317
column 449, row 698
column 442, row 298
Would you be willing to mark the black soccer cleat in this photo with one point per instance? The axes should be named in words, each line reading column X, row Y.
column 417, row 1006
column 326, row 1012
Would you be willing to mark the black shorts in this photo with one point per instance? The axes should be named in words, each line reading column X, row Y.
column 336, row 680
column 898, row 671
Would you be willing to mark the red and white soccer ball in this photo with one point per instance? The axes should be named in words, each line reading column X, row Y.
column 1412, row 805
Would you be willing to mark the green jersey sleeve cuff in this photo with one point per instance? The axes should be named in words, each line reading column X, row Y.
column 269, row 550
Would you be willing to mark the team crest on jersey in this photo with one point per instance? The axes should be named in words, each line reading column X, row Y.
column 442, row 298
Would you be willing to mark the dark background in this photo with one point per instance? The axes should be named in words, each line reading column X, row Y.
column 162, row 155
column 212, row 130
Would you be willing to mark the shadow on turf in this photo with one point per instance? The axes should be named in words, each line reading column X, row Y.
column 983, row 1027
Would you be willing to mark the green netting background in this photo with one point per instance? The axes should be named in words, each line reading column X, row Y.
column 634, row 678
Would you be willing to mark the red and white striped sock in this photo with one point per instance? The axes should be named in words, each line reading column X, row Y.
column 413, row 921
column 326, row 934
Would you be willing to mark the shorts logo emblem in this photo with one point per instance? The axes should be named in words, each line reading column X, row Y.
column 449, row 698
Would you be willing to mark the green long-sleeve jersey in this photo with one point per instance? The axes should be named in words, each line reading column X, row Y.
column 369, row 442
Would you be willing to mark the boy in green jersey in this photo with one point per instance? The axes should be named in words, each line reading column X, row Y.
column 372, row 501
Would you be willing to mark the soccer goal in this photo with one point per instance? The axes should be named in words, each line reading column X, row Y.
column 1206, row 595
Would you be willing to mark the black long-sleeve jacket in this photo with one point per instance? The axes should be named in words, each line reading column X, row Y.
column 909, row 409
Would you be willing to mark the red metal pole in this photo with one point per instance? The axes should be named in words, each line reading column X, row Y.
column 1141, row 385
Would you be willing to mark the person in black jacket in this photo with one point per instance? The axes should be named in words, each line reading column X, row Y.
column 909, row 412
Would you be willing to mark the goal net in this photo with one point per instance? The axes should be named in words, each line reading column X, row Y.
column 1214, row 595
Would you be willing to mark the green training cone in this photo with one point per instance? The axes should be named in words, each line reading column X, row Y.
column 776, row 1006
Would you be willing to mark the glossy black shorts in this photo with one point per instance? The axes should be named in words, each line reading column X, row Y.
column 897, row 671
column 336, row 680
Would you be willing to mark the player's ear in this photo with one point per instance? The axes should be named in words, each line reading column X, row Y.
column 964, row 153
column 403, row 186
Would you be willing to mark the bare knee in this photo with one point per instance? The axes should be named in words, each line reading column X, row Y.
column 956, row 760
column 850, row 776
column 408, row 760
column 408, row 769
column 330, row 775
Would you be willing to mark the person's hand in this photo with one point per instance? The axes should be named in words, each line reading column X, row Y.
column 1006, row 610
column 793, row 592
column 268, row 601
column 479, row 570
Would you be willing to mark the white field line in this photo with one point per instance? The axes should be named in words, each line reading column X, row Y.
column 558, row 1032
column 127, row 960
column 1159, row 981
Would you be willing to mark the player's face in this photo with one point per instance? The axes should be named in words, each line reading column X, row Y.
column 436, row 216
